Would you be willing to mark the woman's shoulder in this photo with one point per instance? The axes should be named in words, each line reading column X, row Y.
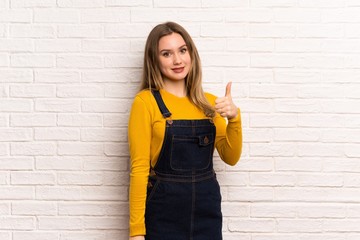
column 144, row 95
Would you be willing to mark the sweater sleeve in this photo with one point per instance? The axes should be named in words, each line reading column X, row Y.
column 139, row 134
column 229, row 138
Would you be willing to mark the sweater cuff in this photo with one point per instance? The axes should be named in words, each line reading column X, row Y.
column 235, row 119
column 137, row 230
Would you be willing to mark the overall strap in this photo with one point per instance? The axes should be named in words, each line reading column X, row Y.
column 163, row 109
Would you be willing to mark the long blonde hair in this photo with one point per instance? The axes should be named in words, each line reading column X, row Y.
column 152, row 77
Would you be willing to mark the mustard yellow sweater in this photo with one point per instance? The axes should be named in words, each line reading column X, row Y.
column 146, row 133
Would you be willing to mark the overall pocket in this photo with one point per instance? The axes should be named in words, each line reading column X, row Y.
column 191, row 152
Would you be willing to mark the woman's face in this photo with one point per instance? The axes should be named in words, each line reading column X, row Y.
column 174, row 57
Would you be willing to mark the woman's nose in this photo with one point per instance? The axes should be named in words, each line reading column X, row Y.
column 177, row 59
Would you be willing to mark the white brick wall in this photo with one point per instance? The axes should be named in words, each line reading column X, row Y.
column 70, row 68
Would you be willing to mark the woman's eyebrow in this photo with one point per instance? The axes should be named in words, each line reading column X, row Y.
column 170, row 49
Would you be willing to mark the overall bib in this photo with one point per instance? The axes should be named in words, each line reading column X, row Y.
column 183, row 197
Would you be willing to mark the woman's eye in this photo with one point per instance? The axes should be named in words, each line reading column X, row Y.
column 166, row 54
column 183, row 50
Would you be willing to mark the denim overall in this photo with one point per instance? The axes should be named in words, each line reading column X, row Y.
column 183, row 197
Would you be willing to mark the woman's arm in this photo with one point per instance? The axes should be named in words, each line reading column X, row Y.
column 139, row 133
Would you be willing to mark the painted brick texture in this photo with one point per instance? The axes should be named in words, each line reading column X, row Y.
column 70, row 68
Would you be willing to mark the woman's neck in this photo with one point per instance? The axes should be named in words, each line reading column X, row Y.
column 176, row 88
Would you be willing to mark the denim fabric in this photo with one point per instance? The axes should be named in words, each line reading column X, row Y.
column 183, row 199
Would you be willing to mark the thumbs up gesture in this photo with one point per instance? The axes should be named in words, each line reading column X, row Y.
column 225, row 105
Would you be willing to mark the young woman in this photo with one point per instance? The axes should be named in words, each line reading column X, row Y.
column 174, row 128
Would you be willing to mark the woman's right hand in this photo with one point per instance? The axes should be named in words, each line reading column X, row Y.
column 137, row 238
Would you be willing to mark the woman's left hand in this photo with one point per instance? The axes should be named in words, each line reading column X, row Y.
column 225, row 105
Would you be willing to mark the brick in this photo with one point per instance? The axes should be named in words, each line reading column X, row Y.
column 32, row 91
column 79, row 148
column 15, row 16
column 32, row 149
column 272, row 91
column 273, row 149
column 104, row 135
column 122, row 3
column 320, row 31
column 80, row 31
column 32, row 3
column 296, row 135
column 114, row 91
column 57, row 134
column 105, row 106
column 79, row 179
column 299, row 15
column 112, row 76
column 56, row 16
column 16, row 163
column 106, row 164
column 28, row 235
column 322, row 3
column 273, row 3
column 79, row 61
column 249, row 15
column 4, row 60
column 123, row 61
column 81, row 3
column 32, row 60
column 80, row 91
column 251, row 225
column 221, row 30
column 59, row 223
column 296, row 77
column 113, row 149
column 93, row 209
column 257, row 164
column 101, row 193
column 106, row 46
column 143, row 15
column 320, row 180
column 59, row 163
column 16, row 45
column 107, row 223
column 299, row 45
column 31, row 208
column 5, row 209
column 309, row 226
column 58, row 193
column 31, row 31
column 116, row 179
column 322, row 211
column 260, row 30
column 254, row 45
column 17, row 223
column 15, row 134
column 271, row 60
column 233, row 179
column 272, row 179
column 19, row 105
column 16, row 193
column 128, row 31
column 200, row 15
column 57, row 76
column 105, row 15
column 341, row 225
column 80, row 120
column 271, row 210
column 58, row 45
column 33, row 120
column 57, row 105
column 250, row 194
